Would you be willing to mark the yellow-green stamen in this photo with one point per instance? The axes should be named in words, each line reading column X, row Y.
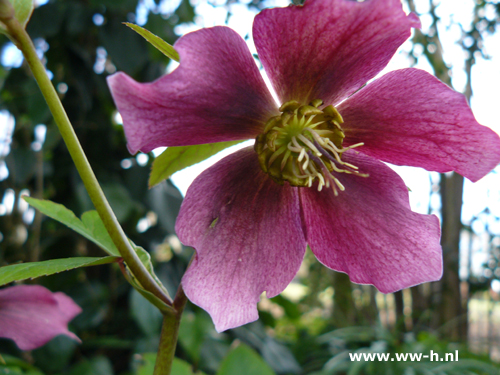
column 304, row 145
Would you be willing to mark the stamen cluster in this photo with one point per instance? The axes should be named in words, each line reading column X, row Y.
column 304, row 145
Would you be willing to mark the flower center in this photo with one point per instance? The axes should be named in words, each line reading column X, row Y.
column 304, row 144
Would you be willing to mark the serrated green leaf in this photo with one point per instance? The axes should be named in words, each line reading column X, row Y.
column 23, row 271
column 174, row 159
column 22, row 11
column 145, row 258
column 244, row 361
column 90, row 226
column 156, row 41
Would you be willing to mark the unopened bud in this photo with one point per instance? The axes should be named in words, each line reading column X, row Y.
column 6, row 10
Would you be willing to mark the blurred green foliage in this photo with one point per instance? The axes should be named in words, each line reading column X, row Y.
column 82, row 42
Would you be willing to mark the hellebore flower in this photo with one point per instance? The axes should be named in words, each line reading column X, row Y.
column 315, row 175
column 32, row 315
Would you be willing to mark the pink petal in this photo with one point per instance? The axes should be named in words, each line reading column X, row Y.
column 409, row 117
column 216, row 94
column 369, row 232
column 247, row 233
column 31, row 315
column 328, row 49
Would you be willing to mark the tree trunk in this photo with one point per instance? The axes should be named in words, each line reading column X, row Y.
column 452, row 316
column 344, row 310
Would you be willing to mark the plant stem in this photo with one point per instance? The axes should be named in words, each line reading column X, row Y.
column 24, row 43
column 169, row 335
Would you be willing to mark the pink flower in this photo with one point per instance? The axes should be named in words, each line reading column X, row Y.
column 250, row 216
column 32, row 315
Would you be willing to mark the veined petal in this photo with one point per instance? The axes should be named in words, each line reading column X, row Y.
column 216, row 94
column 247, row 233
column 369, row 231
column 409, row 117
column 31, row 315
column 328, row 49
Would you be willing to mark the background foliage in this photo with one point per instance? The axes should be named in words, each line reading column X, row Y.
column 307, row 331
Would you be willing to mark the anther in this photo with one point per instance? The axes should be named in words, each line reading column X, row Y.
column 304, row 145
column 307, row 110
column 317, row 102
column 292, row 105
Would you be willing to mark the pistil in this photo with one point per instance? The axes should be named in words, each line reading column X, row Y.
column 304, row 145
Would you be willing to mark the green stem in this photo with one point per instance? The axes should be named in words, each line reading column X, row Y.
column 169, row 335
column 24, row 43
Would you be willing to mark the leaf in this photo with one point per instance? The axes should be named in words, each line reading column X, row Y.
column 146, row 315
column 31, row 270
column 156, row 41
column 22, row 11
column 185, row 12
column 127, row 50
column 99, row 365
column 174, row 159
column 179, row 367
column 193, row 331
column 90, row 226
column 146, row 260
column 14, row 366
column 291, row 309
column 56, row 355
column 244, row 361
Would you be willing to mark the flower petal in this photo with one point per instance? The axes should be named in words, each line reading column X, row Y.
column 369, row 232
column 409, row 117
column 216, row 94
column 328, row 49
column 248, row 236
column 31, row 315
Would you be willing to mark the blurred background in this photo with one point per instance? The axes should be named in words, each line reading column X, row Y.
column 321, row 316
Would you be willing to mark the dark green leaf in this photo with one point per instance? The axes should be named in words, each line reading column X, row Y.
column 179, row 367
column 56, row 354
column 156, row 41
column 147, row 316
column 291, row 309
column 91, row 225
column 244, row 361
column 127, row 50
column 119, row 199
column 23, row 271
column 46, row 20
column 21, row 162
column 96, row 366
column 185, row 12
column 193, row 331
column 174, row 159
column 279, row 357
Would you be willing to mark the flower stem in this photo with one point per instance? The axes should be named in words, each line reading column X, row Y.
column 22, row 40
column 169, row 335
